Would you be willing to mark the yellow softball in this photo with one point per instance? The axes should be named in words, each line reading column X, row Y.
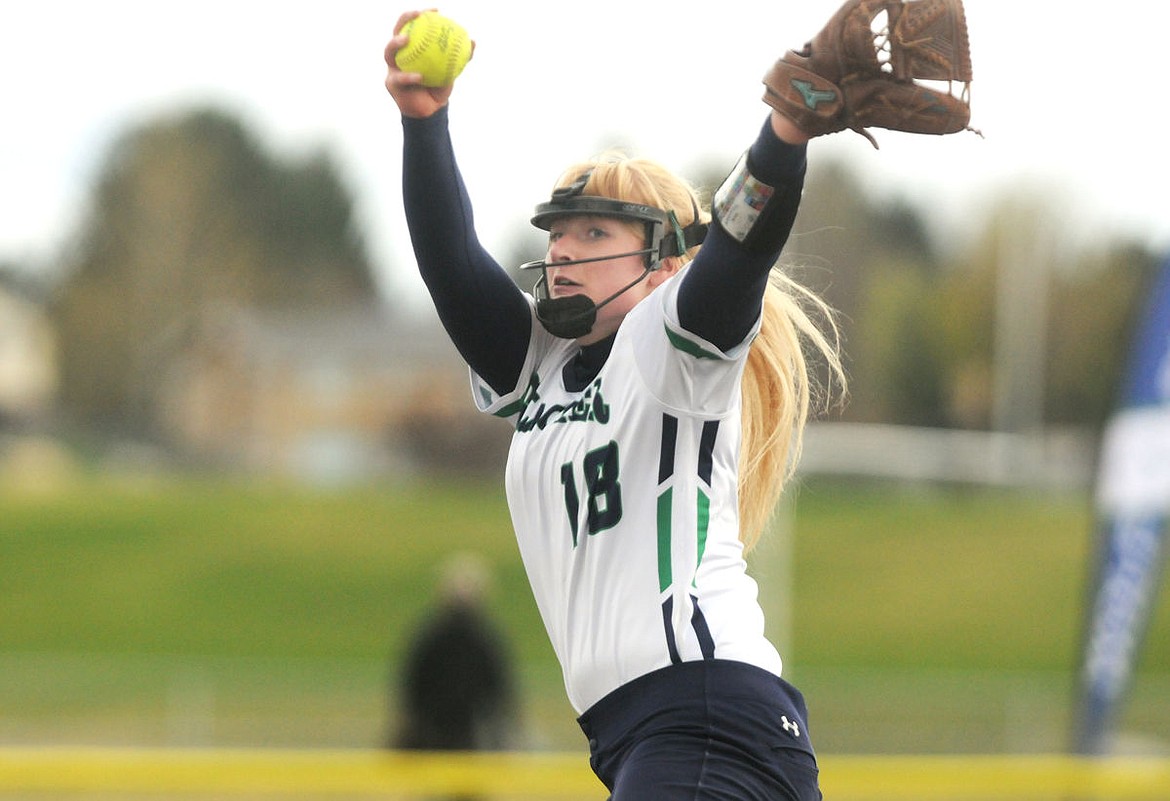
column 437, row 48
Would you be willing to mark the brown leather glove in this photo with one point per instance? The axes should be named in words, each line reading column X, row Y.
column 862, row 71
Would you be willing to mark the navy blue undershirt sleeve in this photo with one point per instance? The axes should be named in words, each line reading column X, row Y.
column 480, row 306
column 723, row 288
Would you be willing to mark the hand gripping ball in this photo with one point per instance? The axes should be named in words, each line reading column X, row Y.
column 438, row 48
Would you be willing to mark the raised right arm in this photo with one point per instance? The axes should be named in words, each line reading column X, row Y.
column 481, row 307
column 484, row 312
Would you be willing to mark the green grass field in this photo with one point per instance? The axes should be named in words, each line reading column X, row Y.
column 214, row 613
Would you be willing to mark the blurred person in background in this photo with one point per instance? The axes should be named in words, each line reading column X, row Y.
column 455, row 690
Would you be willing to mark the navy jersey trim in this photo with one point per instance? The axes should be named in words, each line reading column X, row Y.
column 699, row 624
column 671, row 645
column 666, row 455
column 707, row 450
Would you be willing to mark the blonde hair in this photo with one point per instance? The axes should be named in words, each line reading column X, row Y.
column 638, row 180
column 778, row 390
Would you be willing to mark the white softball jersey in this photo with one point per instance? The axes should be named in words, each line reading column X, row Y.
column 623, row 497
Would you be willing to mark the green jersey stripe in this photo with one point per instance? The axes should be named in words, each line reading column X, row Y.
column 688, row 347
column 665, row 572
column 704, row 504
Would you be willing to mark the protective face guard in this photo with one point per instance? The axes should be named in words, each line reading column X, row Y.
column 574, row 316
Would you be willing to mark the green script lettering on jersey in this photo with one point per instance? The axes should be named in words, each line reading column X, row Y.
column 590, row 407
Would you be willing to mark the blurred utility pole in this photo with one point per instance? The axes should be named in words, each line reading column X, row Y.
column 773, row 566
column 1021, row 325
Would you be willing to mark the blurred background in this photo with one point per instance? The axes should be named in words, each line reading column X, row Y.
column 236, row 451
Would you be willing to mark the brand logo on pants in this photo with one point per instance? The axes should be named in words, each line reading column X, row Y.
column 790, row 726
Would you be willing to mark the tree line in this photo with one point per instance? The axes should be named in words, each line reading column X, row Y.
column 192, row 210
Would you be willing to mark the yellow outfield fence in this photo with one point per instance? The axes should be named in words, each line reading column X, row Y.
column 276, row 773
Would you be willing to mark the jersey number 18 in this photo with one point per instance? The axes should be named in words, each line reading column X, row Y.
column 602, row 489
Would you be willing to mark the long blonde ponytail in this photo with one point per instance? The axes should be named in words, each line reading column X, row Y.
column 778, row 393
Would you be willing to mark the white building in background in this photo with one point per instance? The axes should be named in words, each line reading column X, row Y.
column 323, row 396
column 28, row 365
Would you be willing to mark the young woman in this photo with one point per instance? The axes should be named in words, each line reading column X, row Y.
column 658, row 389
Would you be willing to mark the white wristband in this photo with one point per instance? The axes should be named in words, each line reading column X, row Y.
column 740, row 200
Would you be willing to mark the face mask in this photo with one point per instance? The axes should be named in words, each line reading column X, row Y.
column 572, row 317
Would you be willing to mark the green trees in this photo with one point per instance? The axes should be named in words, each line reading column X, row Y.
column 187, row 213
column 1018, row 312
column 190, row 212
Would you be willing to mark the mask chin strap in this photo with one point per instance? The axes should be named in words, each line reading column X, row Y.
column 574, row 316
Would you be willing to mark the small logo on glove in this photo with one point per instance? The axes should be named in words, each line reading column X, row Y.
column 813, row 97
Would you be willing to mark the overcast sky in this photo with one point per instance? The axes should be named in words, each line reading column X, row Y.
column 1069, row 96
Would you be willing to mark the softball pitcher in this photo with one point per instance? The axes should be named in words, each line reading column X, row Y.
column 657, row 385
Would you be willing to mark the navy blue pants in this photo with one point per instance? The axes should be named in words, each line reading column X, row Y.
column 709, row 730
